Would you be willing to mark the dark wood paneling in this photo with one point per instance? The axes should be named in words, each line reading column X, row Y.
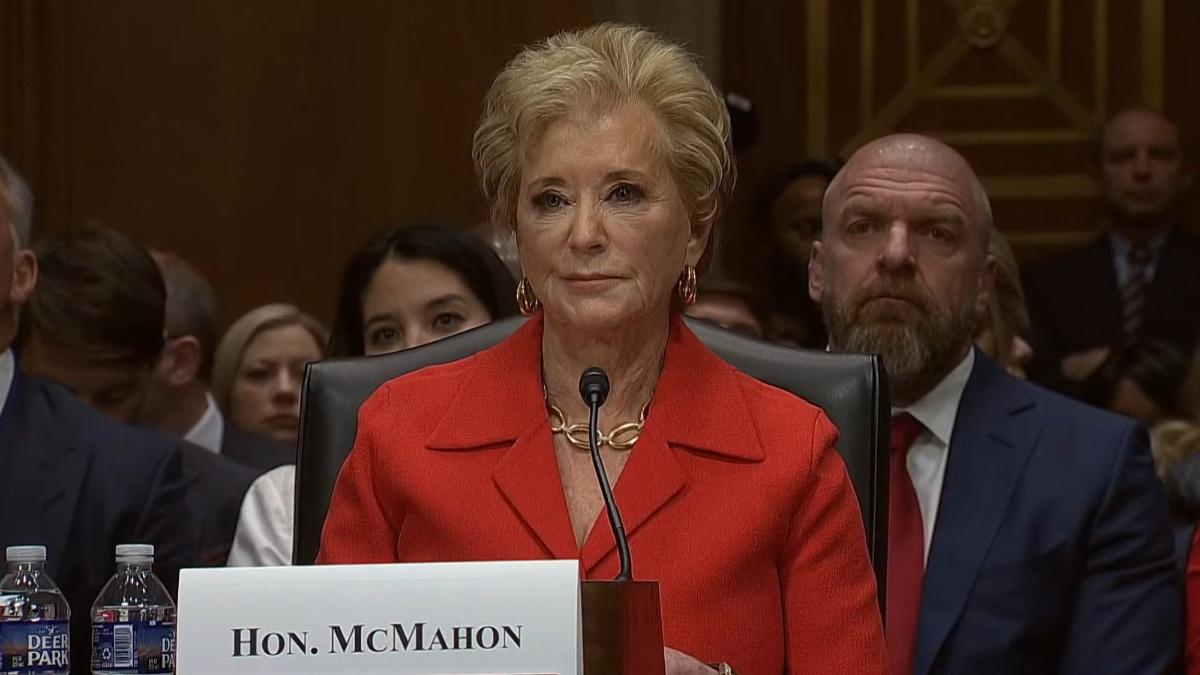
column 265, row 139
column 767, row 57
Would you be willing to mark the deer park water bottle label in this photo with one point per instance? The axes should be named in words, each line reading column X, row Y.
column 35, row 646
column 137, row 647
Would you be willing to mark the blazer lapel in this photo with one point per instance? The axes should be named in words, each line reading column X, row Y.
column 528, row 478
column 698, row 406
column 651, row 478
column 1174, row 279
column 500, row 404
column 1104, row 291
column 989, row 449
column 47, row 465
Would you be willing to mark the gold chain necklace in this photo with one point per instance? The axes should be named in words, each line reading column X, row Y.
column 622, row 438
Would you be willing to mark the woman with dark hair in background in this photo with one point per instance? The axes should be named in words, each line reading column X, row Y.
column 405, row 287
column 787, row 213
column 412, row 285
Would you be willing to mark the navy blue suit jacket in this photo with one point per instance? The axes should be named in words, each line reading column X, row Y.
column 1052, row 550
column 80, row 483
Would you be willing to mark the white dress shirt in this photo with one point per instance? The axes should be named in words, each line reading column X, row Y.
column 1121, row 248
column 936, row 411
column 264, row 529
column 210, row 429
column 8, row 367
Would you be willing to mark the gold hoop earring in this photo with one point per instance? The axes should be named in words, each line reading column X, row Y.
column 527, row 302
column 687, row 285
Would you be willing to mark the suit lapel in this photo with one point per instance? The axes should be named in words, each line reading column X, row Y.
column 989, row 449
column 699, row 405
column 1174, row 277
column 528, row 478
column 1105, row 290
column 47, row 466
column 500, row 403
column 651, row 478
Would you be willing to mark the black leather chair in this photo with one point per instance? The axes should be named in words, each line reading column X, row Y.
column 851, row 388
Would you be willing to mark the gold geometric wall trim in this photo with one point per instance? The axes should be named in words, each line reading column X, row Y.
column 982, row 25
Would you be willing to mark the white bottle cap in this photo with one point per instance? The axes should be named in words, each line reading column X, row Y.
column 25, row 553
column 135, row 550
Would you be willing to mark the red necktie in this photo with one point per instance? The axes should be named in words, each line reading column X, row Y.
column 906, row 550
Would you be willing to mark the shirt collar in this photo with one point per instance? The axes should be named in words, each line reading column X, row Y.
column 937, row 410
column 1122, row 246
column 8, row 368
column 209, row 429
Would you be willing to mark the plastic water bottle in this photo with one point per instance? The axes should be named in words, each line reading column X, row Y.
column 35, row 620
column 133, row 620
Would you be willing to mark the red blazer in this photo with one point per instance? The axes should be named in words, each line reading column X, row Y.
column 734, row 500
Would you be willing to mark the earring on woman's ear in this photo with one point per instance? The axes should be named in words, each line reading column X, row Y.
column 687, row 285
column 527, row 302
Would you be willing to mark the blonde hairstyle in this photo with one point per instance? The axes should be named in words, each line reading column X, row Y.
column 1006, row 312
column 605, row 66
column 1171, row 442
column 233, row 345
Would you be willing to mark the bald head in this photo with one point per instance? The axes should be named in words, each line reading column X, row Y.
column 1139, row 121
column 919, row 160
column 901, row 269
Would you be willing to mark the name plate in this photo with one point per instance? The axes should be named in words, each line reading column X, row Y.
column 509, row 618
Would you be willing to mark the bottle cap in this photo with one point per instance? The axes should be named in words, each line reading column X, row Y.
column 135, row 550
column 26, row 553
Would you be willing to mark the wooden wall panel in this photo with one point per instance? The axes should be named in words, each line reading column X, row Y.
column 262, row 139
column 1022, row 102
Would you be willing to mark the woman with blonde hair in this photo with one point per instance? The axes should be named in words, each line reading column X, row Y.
column 259, row 368
column 606, row 152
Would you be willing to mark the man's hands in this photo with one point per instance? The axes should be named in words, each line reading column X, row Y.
column 1079, row 366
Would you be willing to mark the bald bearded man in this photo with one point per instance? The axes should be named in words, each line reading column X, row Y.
column 1027, row 532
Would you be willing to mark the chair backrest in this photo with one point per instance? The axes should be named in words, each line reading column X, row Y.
column 851, row 388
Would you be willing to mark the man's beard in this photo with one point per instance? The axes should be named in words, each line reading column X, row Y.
column 917, row 339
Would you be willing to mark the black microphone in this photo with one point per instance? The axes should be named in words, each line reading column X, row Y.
column 593, row 387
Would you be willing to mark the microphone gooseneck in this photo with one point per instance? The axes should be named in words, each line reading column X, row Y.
column 593, row 387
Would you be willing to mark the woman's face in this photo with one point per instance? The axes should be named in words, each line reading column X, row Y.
column 412, row 302
column 265, row 398
column 602, row 228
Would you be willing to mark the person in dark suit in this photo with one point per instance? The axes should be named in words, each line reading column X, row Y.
column 71, row 479
column 786, row 215
column 178, row 400
column 1028, row 532
column 1139, row 279
column 95, row 325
